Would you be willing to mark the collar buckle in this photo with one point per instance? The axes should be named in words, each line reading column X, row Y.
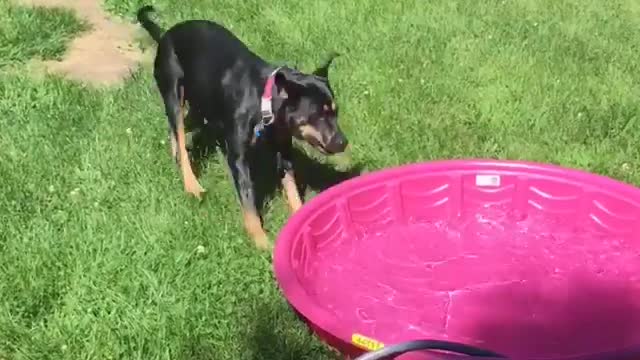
column 266, row 107
column 267, row 117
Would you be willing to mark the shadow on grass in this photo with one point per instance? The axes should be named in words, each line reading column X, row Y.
column 207, row 140
column 276, row 336
column 310, row 174
column 199, row 348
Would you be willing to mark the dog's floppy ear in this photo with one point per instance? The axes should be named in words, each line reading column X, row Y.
column 289, row 83
column 323, row 70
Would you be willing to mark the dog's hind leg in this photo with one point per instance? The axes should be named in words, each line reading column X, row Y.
column 191, row 184
column 174, row 146
column 167, row 73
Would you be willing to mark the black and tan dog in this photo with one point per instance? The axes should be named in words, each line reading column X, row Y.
column 254, row 103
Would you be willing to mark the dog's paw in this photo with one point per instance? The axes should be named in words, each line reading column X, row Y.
column 262, row 242
column 195, row 189
column 293, row 208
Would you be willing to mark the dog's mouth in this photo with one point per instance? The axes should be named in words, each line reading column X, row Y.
column 323, row 150
column 318, row 145
column 314, row 139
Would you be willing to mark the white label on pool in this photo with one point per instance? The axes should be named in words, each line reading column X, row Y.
column 487, row 180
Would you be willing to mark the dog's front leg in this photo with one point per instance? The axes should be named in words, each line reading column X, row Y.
column 285, row 168
column 239, row 166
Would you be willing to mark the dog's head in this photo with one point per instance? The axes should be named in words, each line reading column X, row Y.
column 310, row 108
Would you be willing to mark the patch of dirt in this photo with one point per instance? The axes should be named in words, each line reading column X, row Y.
column 103, row 55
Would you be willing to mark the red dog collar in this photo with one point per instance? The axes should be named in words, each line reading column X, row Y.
column 266, row 106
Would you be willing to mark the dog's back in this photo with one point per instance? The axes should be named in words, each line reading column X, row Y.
column 213, row 62
column 203, row 45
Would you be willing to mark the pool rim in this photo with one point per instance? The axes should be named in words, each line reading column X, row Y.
column 321, row 320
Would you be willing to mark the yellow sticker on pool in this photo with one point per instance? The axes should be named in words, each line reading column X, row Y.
column 366, row 343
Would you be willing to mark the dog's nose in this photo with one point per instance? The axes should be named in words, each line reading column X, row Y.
column 338, row 143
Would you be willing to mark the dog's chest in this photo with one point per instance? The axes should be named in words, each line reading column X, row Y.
column 280, row 136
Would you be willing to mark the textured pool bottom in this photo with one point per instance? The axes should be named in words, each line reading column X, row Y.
column 536, row 287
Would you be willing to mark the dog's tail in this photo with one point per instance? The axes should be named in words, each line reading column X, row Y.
column 152, row 28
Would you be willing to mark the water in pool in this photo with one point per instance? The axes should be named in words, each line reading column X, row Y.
column 535, row 287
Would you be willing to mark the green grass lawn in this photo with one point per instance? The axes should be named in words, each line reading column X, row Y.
column 101, row 251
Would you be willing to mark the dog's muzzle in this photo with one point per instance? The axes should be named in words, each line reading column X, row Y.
column 337, row 144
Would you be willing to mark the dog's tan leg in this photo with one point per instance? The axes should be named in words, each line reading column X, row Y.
column 253, row 226
column 291, row 192
column 191, row 184
column 174, row 146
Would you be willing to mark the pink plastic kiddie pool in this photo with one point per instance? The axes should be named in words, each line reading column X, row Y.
column 527, row 260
